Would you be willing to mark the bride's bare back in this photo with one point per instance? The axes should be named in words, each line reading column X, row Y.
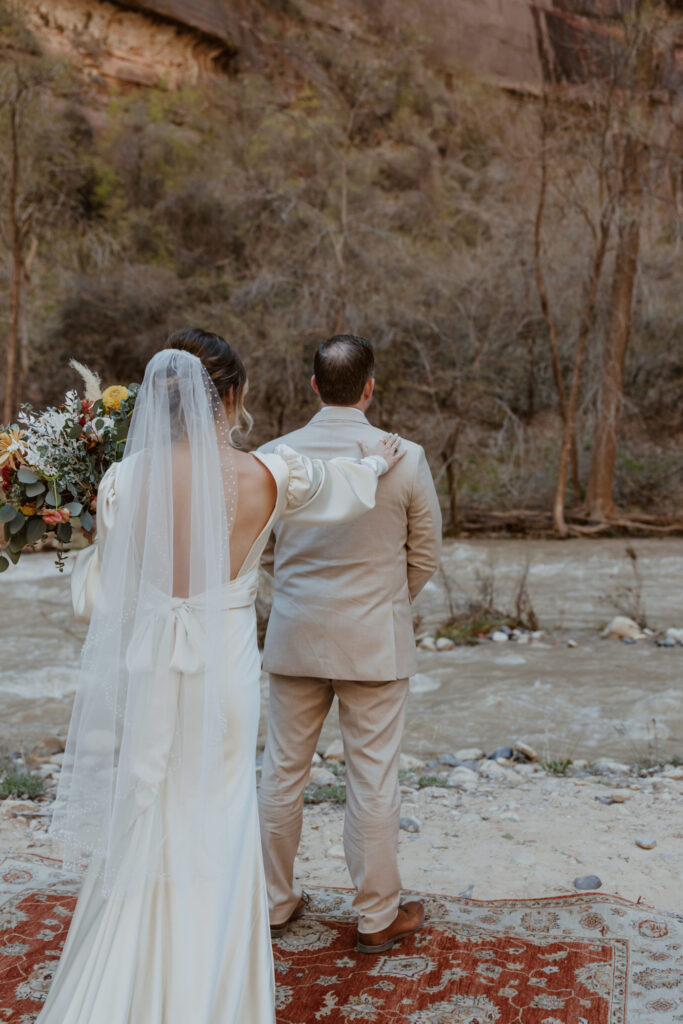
column 256, row 498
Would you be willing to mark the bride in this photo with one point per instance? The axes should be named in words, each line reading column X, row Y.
column 158, row 785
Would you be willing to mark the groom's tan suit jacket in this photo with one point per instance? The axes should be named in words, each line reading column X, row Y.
column 342, row 597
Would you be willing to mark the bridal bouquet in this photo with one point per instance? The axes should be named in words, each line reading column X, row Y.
column 51, row 464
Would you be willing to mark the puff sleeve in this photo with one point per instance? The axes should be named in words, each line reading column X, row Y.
column 85, row 574
column 321, row 491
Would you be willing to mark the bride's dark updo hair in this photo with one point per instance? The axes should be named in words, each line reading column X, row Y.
column 223, row 365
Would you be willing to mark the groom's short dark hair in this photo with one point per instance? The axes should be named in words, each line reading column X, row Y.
column 343, row 365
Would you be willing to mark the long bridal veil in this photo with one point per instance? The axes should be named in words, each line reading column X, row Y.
column 140, row 785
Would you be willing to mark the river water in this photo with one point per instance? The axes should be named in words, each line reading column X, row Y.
column 599, row 698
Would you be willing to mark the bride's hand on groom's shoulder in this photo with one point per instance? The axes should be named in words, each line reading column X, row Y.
column 389, row 448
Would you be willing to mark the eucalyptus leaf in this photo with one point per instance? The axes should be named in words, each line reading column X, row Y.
column 35, row 530
column 86, row 520
column 26, row 476
column 7, row 513
column 17, row 523
column 74, row 508
column 50, row 499
column 4, row 564
column 99, row 424
column 75, row 432
column 33, row 490
column 64, row 532
column 13, row 555
column 17, row 543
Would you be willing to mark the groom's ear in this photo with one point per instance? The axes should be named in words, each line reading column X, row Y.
column 314, row 385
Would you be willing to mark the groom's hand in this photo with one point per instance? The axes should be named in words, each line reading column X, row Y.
column 387, row 448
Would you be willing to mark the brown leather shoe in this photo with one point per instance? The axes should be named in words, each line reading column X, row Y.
column 276, row 930
column 409, row 919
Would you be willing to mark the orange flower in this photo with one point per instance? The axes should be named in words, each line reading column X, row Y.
column 28, row 510
column 55, row 516
column 11, row 448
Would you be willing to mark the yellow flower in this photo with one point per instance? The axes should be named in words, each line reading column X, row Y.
column 28, row 510
column 11, row 448
column 114, row 396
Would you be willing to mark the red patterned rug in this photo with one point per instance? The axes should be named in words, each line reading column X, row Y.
column 586, row 959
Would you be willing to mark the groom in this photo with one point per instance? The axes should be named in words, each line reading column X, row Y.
column 341, row 625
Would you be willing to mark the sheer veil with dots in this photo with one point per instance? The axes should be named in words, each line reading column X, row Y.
column 150, row 713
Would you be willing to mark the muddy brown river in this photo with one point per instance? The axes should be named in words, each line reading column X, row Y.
column 599, row 698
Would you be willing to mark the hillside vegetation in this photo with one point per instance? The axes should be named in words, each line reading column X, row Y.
column 383, row 198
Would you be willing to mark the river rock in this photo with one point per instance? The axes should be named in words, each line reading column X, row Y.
column 608, row 766
column 498, row 636
column 673, row 772
column 505, row 752
column 628, row 640
column 444, row 643
column 496, row 773
column 316, row 759
column 621, row 626
column 470, row 754
column 335, row 751
column 462, row 778
column 587, row 882
column 410, row 824
column 47, row 746
column 427, row 643
column 675, row 634
column 322, row 777
column 526, row 751
column 450, row 759
column 646, row 842
column 572, row 643
column 408, row 763
column 668, row 641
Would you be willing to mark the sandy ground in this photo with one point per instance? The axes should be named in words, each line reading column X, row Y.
column 526, row 833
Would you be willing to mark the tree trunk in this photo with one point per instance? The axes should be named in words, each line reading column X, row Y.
column 600, row 497
column 600, row 493
column 580, row 351
column 16, row 276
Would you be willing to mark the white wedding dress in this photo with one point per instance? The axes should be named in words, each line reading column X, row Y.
column 197, row 954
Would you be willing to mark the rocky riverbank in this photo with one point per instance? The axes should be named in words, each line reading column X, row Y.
column 488, row 827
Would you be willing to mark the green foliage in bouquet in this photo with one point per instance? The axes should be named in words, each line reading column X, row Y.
column 51, row 464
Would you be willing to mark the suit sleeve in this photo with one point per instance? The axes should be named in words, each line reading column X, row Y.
column 423, row 544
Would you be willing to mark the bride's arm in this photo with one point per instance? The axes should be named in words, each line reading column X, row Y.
column 337, row 490
column 85, row 575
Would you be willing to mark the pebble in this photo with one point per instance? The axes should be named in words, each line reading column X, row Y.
column 668, row 641
column 526, row 751
column 428, row 643
column 444, row 643
column 673, row 772
column 628, row 640
column 410, row 824
column 572, row 643
column 335, row 751
column 620, row 796
column 322, row 777
column 317, row 759
column 646, row 842
column 587, row 882
column 499, row 637
column 470, row 754
column 675, row 634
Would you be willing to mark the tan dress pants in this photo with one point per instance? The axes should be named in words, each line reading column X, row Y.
column 371, row 717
